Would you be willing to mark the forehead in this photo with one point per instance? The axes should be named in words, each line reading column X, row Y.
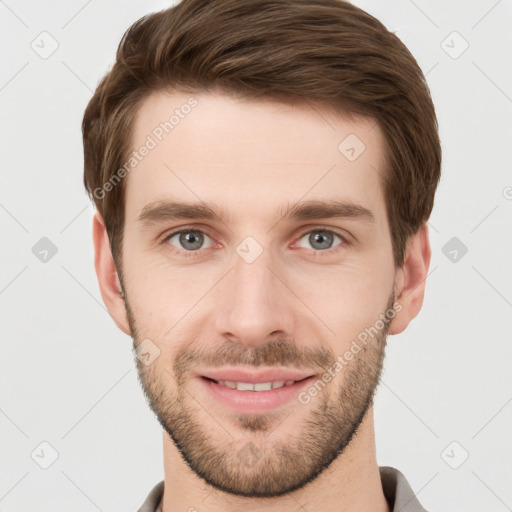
column 250, row 157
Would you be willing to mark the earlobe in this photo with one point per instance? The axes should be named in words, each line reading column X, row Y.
column 106, row 271
column 411, row 279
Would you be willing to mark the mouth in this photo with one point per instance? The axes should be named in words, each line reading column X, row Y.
column 257, row 386
column 253, row 393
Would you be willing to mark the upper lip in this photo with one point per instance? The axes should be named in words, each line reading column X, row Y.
column 254, row 377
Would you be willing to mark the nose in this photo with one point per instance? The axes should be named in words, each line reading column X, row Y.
column 253, row 303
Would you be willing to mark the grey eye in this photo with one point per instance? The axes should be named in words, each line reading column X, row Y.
column 190, row 240
column 321, row 239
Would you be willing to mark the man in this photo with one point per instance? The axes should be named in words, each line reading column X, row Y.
column 263, row 172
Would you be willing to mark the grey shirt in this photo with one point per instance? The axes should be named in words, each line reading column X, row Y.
column 397, row 491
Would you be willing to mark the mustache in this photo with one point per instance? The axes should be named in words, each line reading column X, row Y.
column 273, row 353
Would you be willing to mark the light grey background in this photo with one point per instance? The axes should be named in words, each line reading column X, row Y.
column 67, row 373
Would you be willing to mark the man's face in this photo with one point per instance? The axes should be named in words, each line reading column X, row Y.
column 257, row 290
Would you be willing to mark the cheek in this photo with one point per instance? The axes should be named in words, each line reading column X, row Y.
column 347, row 298
column 348, row 308
column 164, row 298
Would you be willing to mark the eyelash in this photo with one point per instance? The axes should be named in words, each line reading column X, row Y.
column 187, row 254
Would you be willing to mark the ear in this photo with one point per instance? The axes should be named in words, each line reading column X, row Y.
column 106, row 271
column 410, row 280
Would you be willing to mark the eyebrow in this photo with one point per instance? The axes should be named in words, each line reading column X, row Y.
column 162, row 211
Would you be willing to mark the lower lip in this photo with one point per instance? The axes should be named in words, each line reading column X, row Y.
column 250, row 401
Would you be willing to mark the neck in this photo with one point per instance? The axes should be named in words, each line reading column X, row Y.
column 350, row 484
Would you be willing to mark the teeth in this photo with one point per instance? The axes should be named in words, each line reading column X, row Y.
column 260, row 386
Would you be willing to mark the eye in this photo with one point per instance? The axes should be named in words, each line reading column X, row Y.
column 322, row 239
column 189, row 240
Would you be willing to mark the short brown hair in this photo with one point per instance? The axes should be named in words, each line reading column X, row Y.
column 327, row 51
